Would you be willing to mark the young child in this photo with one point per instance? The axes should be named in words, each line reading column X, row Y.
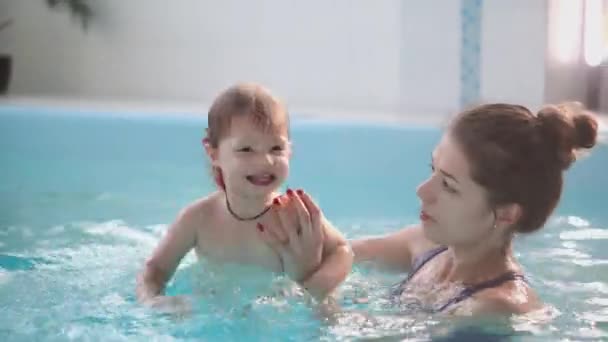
column 248, row 145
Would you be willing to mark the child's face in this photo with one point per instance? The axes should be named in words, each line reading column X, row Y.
column 254, row 162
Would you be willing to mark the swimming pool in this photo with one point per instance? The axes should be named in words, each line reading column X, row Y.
column 84, row 196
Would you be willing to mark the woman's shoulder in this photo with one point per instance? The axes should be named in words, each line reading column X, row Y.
column 418, row 243
column 513, row 297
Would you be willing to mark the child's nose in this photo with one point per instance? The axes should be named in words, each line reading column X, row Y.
column 266, row 159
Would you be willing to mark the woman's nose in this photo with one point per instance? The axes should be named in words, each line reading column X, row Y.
column 425, row 191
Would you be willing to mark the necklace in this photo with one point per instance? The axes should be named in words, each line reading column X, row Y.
column 245, row 218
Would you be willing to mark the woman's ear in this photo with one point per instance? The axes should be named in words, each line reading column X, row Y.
column 508, row 215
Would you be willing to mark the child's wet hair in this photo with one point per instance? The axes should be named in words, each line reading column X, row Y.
column 266, row 111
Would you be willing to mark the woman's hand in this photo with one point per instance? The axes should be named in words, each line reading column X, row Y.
column 296, row 233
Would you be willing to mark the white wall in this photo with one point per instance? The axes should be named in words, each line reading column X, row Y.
column 430, row 58
column 514, row 44
column 568, row 77
column 354, row 55
column 387, row 55
column 348, row 54
column 4, row 34
column 566, row 72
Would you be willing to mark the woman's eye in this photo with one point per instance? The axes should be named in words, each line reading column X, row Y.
column 245, row 149
column 448, row 187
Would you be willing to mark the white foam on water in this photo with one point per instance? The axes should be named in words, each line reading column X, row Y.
column 113, row 299
column 578, row 287
column 27, row 232
column 104, row 196
column 56, row 230
column 159, row 230
column 119, row 229
column 585, row 234
column 80, row 332
column 571, row 220
column 564, row 252
column 533, row 319
column 589, row 262
column 598, row 315
column 577, row 221
column 75, row 331
column 598, row 301
column 5, row 277
column 591, row 333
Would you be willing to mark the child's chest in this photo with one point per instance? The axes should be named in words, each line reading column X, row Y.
column 226, row 242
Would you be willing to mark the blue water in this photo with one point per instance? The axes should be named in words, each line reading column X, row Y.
column 84, row 196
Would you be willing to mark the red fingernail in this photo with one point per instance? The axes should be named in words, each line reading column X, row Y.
column 276, row 201
column 300, row 192
column 289, row 192
column 260, row 227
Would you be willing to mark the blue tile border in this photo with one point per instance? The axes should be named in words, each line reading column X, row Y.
column 470, row 51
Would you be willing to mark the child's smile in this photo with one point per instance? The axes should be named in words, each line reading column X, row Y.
column 261, row 179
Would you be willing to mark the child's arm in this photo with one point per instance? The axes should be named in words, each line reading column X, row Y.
column 335, row 265
column 316, row 254
column 158, row 270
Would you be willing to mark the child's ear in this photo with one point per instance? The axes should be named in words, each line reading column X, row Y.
column 210, row 150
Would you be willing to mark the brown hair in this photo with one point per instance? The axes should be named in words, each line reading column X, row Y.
column 266, row 111
column 519, row 157
column 244, row 99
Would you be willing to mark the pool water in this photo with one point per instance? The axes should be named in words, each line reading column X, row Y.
column 85, row 196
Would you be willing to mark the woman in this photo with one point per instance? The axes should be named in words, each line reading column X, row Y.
column 497, row 172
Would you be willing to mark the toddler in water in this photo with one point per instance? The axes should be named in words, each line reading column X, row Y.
column 248, row 145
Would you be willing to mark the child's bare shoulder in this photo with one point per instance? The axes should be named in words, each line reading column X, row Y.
column 200, row 211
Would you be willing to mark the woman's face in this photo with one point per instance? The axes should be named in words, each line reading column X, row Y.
column 455, row 210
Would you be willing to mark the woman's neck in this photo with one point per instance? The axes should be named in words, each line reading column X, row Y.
column 481, row 262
